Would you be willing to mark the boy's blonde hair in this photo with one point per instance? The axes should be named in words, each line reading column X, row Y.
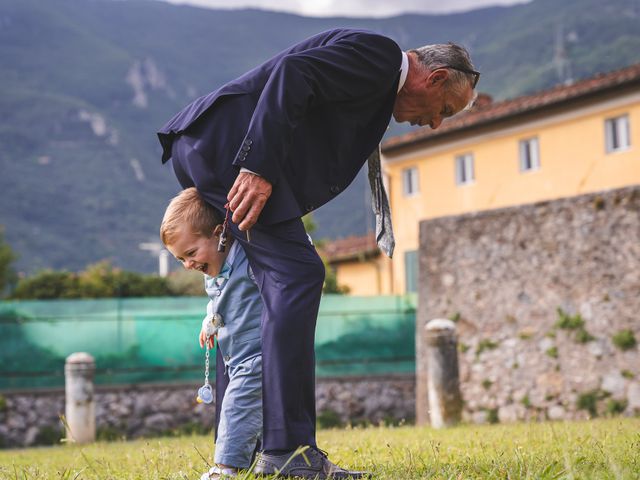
column 189, row 208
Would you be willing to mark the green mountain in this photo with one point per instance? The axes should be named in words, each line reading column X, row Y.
column 84, row 84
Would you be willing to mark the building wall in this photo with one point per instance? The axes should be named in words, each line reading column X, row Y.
column 572, row 158
column 365, row 277
column 508, row 277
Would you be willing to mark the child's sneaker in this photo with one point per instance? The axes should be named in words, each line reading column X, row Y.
column 219, row 473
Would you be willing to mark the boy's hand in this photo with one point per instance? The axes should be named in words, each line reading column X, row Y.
column 203, row 339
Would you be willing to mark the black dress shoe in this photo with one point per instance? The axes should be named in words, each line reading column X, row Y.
column 307, row 463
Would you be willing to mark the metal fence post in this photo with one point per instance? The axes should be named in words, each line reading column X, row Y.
column 79, row 404
column 443, row 380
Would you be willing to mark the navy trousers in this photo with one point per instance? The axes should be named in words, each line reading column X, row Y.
column 290, row 275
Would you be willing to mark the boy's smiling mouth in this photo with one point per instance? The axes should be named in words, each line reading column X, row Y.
column 202, row 268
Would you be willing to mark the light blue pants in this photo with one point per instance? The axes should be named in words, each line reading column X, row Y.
column 240, row 415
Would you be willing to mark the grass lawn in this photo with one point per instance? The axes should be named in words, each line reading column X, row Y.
column 599, row 449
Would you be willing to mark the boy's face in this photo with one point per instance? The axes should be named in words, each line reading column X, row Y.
column 197, row 252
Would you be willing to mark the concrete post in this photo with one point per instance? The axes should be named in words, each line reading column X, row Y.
column 443, row 381
column 80, row 407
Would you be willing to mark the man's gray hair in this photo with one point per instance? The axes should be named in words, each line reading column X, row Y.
column 443, row 55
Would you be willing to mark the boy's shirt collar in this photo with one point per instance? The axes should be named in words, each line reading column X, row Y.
column 225, row 271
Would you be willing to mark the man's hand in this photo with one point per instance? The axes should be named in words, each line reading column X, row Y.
column 247, row 198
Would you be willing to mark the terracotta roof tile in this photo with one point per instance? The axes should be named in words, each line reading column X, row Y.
column 485, row 112
column 350, row 248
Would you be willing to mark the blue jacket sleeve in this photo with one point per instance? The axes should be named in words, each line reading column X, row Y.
column 350, row 68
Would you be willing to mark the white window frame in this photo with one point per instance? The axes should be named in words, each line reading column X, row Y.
column 529, row 152
column 617, row 132
column 410, row 181
column 465, row 172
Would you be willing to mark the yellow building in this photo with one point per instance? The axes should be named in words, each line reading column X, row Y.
column 569, row 140
column 359, row 265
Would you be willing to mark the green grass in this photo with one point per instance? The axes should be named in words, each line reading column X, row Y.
column 598, row 449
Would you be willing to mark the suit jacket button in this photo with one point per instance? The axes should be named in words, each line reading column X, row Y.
column 335, row 189
column 246, row 148
column 248, row 141
column 308, row 208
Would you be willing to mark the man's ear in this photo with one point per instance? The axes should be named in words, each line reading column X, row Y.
column 438, row 77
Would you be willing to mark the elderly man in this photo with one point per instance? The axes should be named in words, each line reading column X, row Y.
column 281, row 141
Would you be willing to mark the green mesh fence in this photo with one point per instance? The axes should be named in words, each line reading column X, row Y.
column 155, row 339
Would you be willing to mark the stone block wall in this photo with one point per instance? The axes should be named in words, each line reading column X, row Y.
column 546, row 299
column 32, row 417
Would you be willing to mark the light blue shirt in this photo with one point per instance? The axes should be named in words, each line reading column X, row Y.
column 234, row 296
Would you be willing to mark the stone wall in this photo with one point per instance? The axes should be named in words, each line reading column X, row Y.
column 540, row 294
column 32, row 417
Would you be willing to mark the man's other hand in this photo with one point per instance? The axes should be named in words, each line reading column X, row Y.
column 247, row 198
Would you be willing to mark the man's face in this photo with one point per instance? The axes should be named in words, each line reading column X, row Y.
column 197, row 252
column 430, row 101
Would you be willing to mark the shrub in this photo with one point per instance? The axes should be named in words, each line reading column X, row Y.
column 616, row 407
column 492, row 415
column 49, row 436
column 599, row 203
column 7, row 257
column 574, row 323
column 624, row 340
column 588, row 401
column 525, row 334
column 109, row 434
column 582, row 336
column 100, row 280
column 486, row 344
column 568, row 322
column 329, row 418
column 190, row 429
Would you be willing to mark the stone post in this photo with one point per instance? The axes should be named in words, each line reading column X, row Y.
column 443, row 381
column 80, row 406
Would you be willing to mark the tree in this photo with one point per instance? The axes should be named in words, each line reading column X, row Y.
column 7, row 256
column 330, row 279
column 309, row 224
column 47, row 284
column 186, row 283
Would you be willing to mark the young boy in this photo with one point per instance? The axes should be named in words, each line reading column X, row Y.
column 191, row 230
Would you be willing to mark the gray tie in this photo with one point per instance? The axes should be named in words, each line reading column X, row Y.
column 380, row 204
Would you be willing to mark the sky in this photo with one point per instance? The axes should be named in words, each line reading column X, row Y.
column 352, row 8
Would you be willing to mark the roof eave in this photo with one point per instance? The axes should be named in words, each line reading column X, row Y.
column 361, row 256
column 561, row 103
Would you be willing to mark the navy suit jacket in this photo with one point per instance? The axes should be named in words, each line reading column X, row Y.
column 306, row 120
